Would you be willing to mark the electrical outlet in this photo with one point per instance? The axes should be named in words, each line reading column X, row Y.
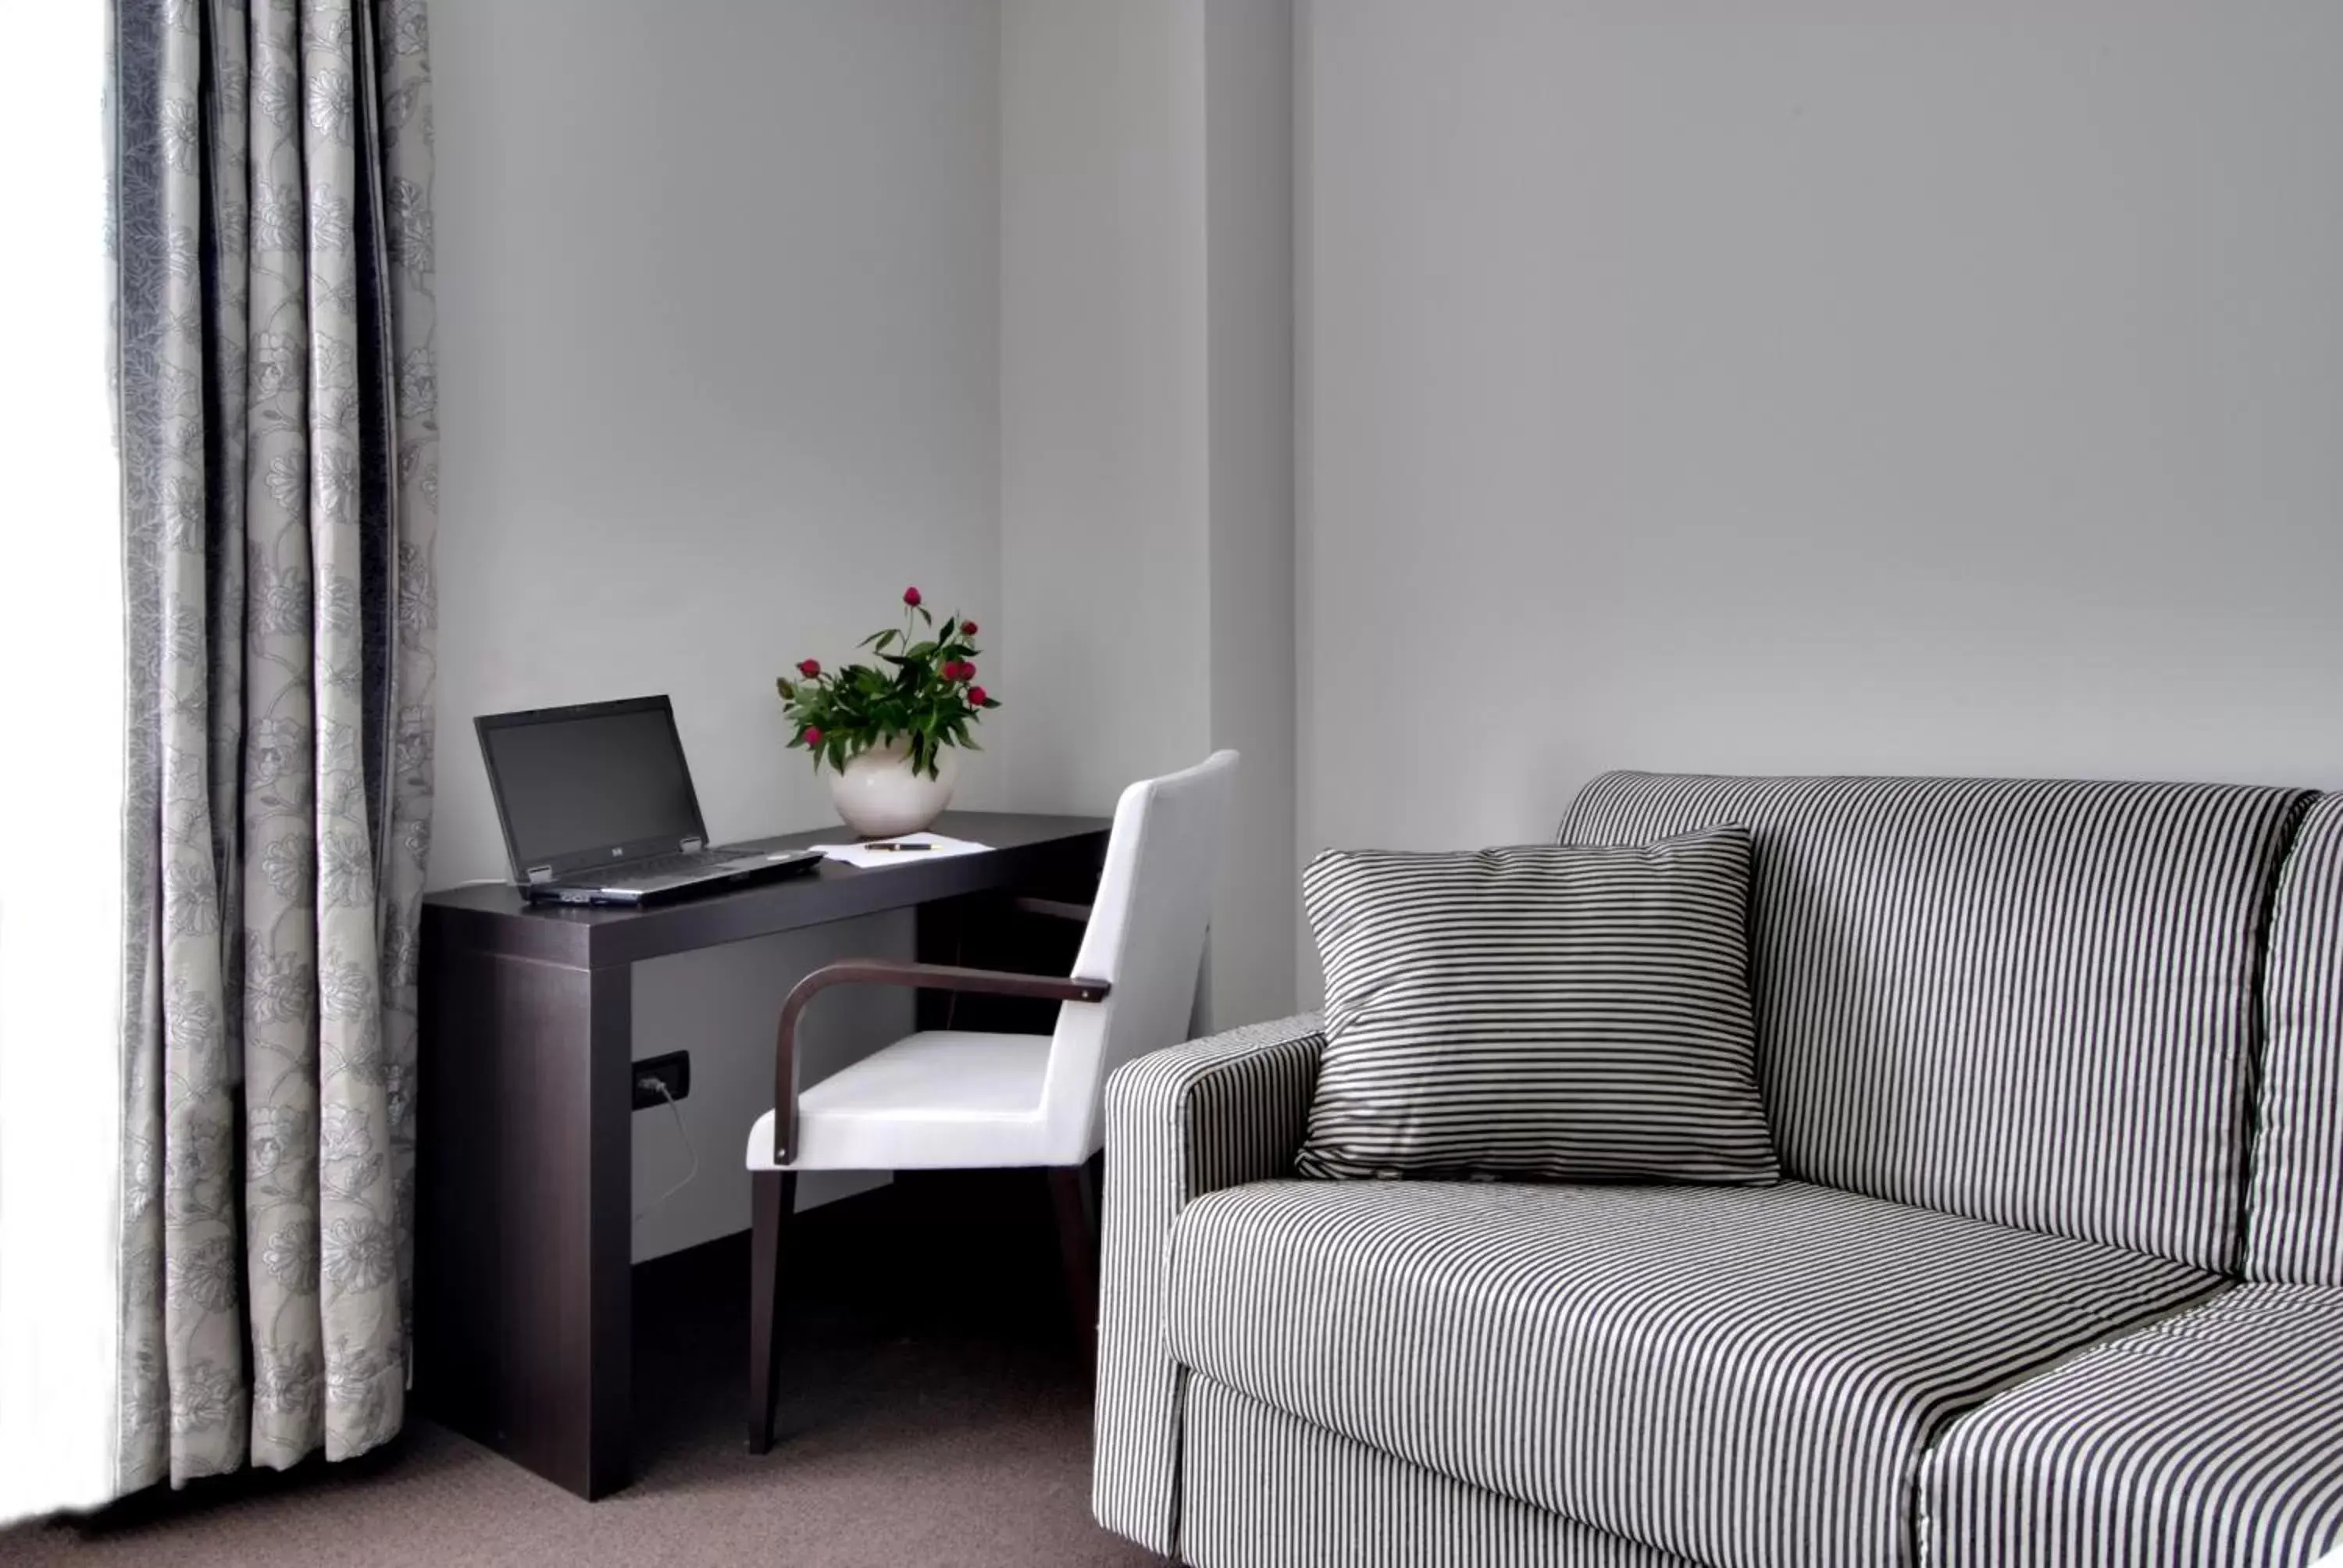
column 673, row 1069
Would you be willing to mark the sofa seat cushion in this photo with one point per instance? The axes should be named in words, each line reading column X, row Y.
column 1743, row 1376
column 2213, row 1438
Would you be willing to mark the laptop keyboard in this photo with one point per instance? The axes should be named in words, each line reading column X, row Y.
column 660, row 865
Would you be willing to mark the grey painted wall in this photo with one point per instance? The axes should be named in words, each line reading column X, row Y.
column 1828, row 385
column 1249, row 264
column 1104, row 446
column 1146, row 418
column 718, row 338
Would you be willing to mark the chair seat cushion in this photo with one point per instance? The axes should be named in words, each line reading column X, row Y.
column 944, row 1099
column 2213, row 1438
column 1743, row 1376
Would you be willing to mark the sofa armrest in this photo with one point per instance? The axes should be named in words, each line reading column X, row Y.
column 1179, row 1123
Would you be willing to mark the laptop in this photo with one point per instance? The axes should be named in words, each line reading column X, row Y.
column 598, row 807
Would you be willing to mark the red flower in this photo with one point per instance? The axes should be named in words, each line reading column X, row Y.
column 967, row 670
column 912, row 597
column 809, row 668
column 812, row 736
column 968, row 629
column 976, row 696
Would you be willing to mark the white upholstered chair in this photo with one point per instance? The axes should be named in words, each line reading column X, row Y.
column 955, row 1099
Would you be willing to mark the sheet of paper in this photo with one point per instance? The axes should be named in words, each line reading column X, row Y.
column 935, row 847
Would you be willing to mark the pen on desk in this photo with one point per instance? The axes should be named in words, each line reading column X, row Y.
column 900, row 848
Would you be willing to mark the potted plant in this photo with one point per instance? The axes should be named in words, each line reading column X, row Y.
column 890, row 732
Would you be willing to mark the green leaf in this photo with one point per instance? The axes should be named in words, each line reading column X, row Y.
column 900, row 697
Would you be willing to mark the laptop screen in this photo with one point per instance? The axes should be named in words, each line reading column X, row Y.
column 602, row 778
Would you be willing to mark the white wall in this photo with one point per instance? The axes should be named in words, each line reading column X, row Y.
column 1831, row 386
column 719, row 308
column 1249, row 274
column 1146, row 431
column 1104, row 438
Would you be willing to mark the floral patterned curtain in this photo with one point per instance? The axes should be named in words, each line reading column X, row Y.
column 272, row 244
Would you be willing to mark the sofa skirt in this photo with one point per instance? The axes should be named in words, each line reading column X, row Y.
column 1262, row 1488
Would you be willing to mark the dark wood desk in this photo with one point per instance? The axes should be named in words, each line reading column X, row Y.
column 524, row 1146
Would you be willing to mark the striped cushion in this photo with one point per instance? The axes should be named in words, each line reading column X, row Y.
column 1262, row 1488
column 1742, row 1375
column 2214, row 1439
column 2031, row 1003
column 1538, row 1012
column 1179, row 1123
column 2294, row 1227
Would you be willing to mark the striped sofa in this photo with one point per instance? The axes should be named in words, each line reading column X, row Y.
column 2055, row 1277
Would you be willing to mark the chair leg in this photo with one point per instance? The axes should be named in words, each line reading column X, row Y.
column 774, row 1198
column 1074, row 1189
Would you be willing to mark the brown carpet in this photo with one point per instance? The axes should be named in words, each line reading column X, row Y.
column 937, row 1412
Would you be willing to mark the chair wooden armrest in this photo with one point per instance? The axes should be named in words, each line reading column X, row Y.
column 894, row 972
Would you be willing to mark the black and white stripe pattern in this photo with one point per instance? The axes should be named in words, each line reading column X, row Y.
column 1262, row 1488
column 1538, row 1013
column 1179, row 1123
column 2213, row 1439
column 2294, row 1225
column 1946, row 970
column 1743, row 1376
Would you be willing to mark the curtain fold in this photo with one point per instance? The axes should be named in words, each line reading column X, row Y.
column 277, row 423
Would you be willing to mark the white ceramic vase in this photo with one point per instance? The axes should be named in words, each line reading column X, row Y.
column 880, row 797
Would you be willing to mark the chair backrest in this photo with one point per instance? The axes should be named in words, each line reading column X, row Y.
column 2294, row 1222
column 1146, row 939
column 2033, row 1001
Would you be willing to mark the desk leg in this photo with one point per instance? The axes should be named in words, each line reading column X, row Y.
column 524, row 1299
